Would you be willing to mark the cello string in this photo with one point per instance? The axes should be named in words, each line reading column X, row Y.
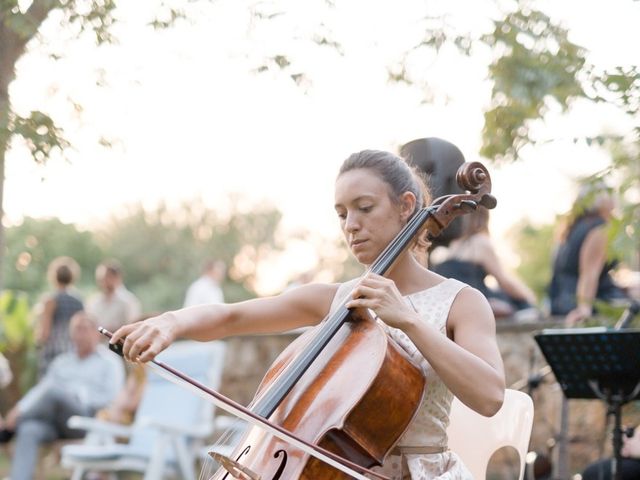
column 207, row 469
column 230, row 406
column 225, row 439
column 234, row 408
column 269, row 400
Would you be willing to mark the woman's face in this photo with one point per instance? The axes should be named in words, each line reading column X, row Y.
column 605, row 203
column 368, row 218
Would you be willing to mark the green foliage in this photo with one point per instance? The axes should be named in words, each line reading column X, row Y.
column 18, row 26
column 536, row 64
column 94, row 16
column 17, row 343
column 620, row 86
column 538, row 68
column 15, row 326
column 40, row 134
column 163, row 251
column 32, row 245
column 534, row 244
column 624, row 230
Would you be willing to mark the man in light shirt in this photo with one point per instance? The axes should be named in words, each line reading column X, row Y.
column 114, row 306
column 207, row 288
column 78, row 382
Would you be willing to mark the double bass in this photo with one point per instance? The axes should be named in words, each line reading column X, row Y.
column 343, row 388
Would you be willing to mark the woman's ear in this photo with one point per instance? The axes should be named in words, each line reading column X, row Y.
column 407, row 205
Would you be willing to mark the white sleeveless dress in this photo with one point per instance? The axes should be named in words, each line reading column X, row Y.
column 429, row 427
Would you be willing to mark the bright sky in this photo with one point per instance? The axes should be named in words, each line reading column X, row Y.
column 189, row 119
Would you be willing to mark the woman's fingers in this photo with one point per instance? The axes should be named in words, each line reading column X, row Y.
column 363, row 291
column 121, row 333
column 146, row 344
column 132, row 345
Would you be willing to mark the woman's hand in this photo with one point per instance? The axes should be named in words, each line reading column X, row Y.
column 631, row 446
column 142, row 341
column 577, row 315
column 381, row 295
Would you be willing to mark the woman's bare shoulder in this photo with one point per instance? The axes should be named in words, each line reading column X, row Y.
column 470, row 305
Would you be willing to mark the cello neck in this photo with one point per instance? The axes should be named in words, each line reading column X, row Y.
column 266, row 404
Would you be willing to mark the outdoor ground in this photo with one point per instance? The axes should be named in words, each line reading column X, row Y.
column 48, row 468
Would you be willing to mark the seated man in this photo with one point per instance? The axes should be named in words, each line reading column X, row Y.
column 77, row 383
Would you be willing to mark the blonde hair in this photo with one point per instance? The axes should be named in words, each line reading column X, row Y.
column 63, row 271
column 475, row 222
column 587, row 203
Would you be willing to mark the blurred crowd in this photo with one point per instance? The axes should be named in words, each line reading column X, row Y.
column 76, row 373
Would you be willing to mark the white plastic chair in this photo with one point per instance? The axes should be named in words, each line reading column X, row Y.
column 170, row 427
column 475, row 437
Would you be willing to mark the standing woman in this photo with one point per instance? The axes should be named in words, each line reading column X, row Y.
column 444, row 326
column 581, row 269
column 52, row 333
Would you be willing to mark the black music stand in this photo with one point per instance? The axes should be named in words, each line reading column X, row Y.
column 596, row 363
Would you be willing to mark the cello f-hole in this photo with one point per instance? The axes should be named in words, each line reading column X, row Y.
column 283, row 463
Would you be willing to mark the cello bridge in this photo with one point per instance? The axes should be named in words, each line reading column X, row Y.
column 235, row 469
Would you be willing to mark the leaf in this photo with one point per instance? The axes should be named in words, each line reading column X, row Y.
column 40, row 134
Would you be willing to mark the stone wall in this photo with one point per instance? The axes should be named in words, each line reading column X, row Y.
column 587, row 432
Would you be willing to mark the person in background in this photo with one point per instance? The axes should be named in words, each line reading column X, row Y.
column 208, row 287
column 52, row 330
column 471, row 257
column 6, row 375
column 444, row 326
column 78, row 382
column 581, row 269
column 123, row 408
column 114, row 305
column 629, row 467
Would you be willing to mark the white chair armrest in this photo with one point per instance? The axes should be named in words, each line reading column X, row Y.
column 93, row 425
column 199, row 431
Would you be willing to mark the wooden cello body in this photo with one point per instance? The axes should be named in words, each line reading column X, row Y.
column 361, row 387
column 345, row 385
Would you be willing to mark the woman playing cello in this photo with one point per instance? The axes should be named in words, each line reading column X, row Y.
column 445, row 326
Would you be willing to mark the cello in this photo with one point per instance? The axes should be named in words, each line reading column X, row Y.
column 336, row 386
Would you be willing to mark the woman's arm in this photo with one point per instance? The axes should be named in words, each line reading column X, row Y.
column 469, row 362
column 302, row 306
column 45, row 321
column 631, row 446
column 593, row 254
column 508, row 282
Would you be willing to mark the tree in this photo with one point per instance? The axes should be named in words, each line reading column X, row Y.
column 20, row 24
column 18, row 28
column 534, row 246
column 537, row 71
column 163, row 250
column 542, row 70
column 32, row 245
column 535, row 67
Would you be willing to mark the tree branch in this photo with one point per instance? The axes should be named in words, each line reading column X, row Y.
column 36, row 14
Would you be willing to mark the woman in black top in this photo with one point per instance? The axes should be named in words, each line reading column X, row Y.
column 581, row 269
column 472, row 257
